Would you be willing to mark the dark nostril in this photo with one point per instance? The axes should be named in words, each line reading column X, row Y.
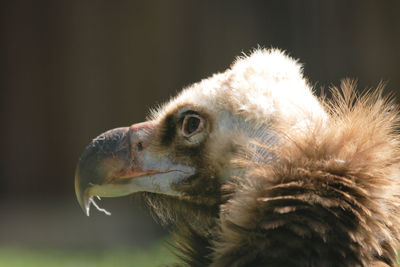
column 139, row 146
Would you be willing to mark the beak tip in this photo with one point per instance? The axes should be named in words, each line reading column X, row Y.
column 81, row 196
column 87, row 211
column 86, row 206
column 84, row 203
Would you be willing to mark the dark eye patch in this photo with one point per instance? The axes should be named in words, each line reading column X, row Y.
column 169, row 126
column 169, row 130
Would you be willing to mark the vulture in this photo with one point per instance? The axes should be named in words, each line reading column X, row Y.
column 250, row 168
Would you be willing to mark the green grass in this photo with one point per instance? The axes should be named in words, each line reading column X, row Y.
column 23, row 257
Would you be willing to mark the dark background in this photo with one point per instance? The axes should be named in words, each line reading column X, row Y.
column 72, row 69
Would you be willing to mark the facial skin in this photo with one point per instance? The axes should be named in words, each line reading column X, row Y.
column 172, row 156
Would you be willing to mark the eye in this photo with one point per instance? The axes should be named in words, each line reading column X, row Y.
column 192, row 124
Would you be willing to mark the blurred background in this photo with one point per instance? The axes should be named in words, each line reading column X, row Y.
column 72, row 69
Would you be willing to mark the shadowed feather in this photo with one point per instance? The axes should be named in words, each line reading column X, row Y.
column 330, row 199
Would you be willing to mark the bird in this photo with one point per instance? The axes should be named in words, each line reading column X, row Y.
column 250, row 168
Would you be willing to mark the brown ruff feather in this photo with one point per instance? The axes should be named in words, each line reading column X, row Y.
column 330, row 199
column 329, row 196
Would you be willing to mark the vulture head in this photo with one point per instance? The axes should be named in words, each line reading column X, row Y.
column 254, row 170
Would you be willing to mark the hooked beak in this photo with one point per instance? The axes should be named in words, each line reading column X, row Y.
column 120, row 162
